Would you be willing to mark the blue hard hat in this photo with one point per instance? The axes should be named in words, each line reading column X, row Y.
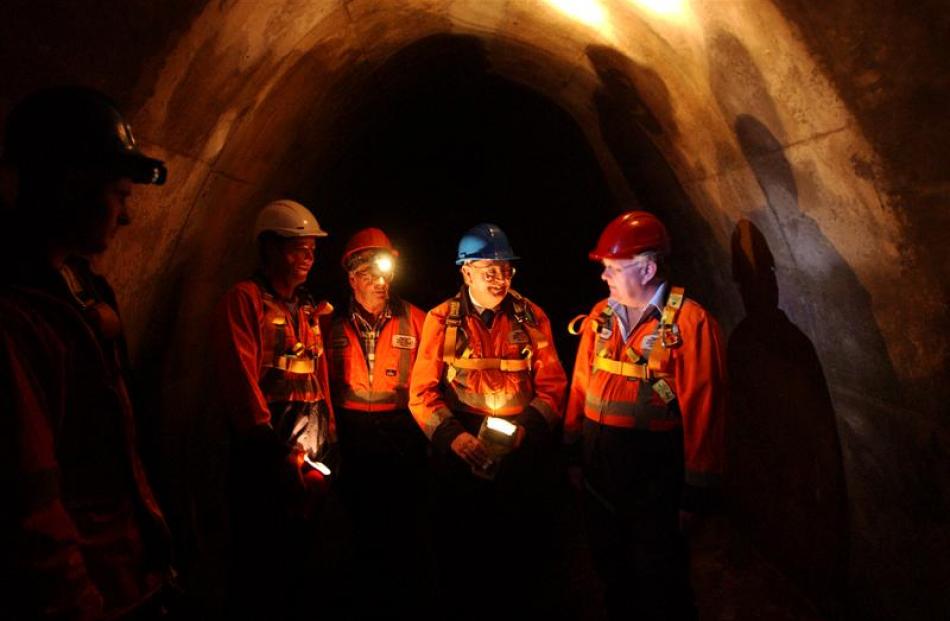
column 484, row 241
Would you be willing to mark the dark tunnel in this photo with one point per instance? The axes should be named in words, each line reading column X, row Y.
column 793, row 153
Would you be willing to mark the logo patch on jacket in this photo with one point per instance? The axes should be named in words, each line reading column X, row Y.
column 390, row 372
column 404, row 341
column 339, row 343
column 519, row 336
column 648, row 341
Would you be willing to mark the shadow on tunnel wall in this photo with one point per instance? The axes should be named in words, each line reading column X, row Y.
column 823, row 295
column 786, row 475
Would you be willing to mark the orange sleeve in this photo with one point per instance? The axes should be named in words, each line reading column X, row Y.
column 47, row 560
column 574, row 414
column 549, row 378
column 426, row 401
column 324, row 379
column 237, row 357
column 700, row 386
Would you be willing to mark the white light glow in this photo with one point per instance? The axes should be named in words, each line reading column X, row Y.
column 319, row 466
column 384, row 264
column 677, row 10
column 588, row 12
column 501, row 425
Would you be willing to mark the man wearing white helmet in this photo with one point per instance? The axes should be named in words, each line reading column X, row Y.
column 273, row 379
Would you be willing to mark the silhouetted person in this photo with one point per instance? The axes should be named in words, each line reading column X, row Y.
column 784, row 449
column 273, row 382
column 647, row 404
column 83, row 537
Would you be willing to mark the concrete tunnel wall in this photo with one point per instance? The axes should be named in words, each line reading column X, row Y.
column 767, row 133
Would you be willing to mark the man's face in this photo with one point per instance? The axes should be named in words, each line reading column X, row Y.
column 627, row 279
column 102, row 210
column 370, row 285
column 295, row 258
column 488, row 281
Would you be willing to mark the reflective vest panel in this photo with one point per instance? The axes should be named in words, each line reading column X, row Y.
column 388, row 388
column 290, row 356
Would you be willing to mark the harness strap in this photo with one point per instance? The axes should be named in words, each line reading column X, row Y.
column 668, row 337
column 652, row 369
column 524, row 318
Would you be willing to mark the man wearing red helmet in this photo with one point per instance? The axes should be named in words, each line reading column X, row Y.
column 647, row 407
column 371, row 348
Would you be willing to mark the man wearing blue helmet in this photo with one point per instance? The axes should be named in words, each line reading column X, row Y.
column 487, row 381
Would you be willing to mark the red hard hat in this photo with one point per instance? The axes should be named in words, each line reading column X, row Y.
column 629, row 234
column 367, row 239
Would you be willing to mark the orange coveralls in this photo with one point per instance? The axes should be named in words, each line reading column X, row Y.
column 437, row 390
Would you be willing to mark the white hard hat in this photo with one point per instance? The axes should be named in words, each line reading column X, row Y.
column 288, row 218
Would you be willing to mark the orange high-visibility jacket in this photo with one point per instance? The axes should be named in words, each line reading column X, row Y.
column 695, row 371
column 438, row 388
column 262, row 358
column 80, row 520
column 396, row 347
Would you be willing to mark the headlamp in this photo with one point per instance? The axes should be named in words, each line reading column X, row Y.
column 383, row 264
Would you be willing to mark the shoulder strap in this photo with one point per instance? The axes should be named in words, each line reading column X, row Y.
column 668, row 336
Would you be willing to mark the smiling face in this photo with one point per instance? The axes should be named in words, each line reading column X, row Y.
column 488, row 281
column 294, row 259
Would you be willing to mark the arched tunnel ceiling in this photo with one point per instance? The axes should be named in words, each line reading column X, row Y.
column 246, row 77
column 725, row 117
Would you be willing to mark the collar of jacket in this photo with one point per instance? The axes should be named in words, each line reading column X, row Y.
column 467, row 308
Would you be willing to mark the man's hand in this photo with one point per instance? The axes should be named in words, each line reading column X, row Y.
column 471, row 451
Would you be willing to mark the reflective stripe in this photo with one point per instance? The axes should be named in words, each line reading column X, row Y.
column 632, row 415
column 502, row 364
column 495, row 404
column 508, row 365
column 432, row 421
column 405, row 355
column 293, row 364
column 626, row 369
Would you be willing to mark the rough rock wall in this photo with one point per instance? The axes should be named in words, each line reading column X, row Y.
column 794, row 151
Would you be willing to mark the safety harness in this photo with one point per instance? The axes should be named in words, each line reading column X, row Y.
column 524, row 318
column 404, row 339
column 651, row 370
column 295, row 358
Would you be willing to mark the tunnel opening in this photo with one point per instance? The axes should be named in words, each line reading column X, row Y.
column 441, row 142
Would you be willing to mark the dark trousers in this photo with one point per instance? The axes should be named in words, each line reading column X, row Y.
column 634, row 481
column 384, row 490
column 495, row 542
column 274, row 563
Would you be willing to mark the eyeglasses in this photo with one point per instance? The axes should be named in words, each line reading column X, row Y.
column 367, row 274
column 611, row 270
column 494, row 273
